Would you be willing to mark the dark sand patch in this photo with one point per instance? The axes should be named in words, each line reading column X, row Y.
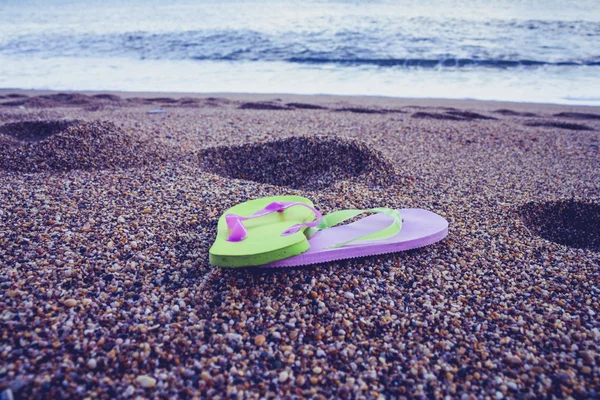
column 215, row 102
column 300, row 162
column 218, row 100
column 110, row 97
column 34, row 131
column 166, row 100
column 32, row 146
column 571, row 223
column 197, row 102
column 262, row 106
column 16, row 96
column 151, row 101
column 188, row 100
column 52, row 100
column 469, row 115
column 576, row 115
column 362, row 110
column 512, row 113
column 306, row 106
column 561, row 125
column 428, row 115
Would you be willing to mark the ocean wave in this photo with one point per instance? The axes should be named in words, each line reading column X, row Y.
column 417, row 42
column 443, row 62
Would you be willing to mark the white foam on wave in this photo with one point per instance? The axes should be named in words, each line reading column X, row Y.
column 561, row 85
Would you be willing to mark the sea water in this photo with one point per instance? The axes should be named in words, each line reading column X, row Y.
column 518, row 50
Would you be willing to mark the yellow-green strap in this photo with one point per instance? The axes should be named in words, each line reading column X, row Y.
column 338, row 217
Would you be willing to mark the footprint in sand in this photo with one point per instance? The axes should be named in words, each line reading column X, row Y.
column 428, row 115
column 306, row 106
column 576, row 115
column 361, row 110
column 32, row 146
column 266, row 105
column 34, row 131
column 469, row 115
column 561, row 125
column 452, row 115
column 301, row 163
column 571, row 223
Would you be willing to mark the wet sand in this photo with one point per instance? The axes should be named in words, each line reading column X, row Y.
column 109, row 204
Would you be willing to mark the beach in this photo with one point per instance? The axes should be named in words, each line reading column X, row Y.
column 109, row 203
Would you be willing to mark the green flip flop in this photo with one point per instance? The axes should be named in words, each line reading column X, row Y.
column 258, row 232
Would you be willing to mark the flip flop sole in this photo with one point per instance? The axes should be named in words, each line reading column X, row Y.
column 419, row 228
column 264, row 243
column 257, row 260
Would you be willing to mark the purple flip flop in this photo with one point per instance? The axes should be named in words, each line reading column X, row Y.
column 419, row 228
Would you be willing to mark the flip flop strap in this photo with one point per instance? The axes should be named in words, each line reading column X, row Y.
column 338, row 217
column 238, row 231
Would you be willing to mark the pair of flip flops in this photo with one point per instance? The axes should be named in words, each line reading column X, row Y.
column 288, row 231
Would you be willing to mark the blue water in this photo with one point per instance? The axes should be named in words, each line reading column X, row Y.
column 520, row 50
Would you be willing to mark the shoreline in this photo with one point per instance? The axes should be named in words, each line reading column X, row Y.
column 326, row 98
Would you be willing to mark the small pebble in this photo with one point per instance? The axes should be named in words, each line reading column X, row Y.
column 586, row 370
column 188, row 373
column 233, row 337
column 205, row 376
column 146, row 381
column 512, row 359
column 70, row 303
column 129, row 391
column 283, row 376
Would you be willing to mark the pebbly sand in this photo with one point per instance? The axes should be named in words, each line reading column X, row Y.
column 109, row 203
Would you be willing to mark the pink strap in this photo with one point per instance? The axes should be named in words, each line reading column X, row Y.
column 239, row 232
